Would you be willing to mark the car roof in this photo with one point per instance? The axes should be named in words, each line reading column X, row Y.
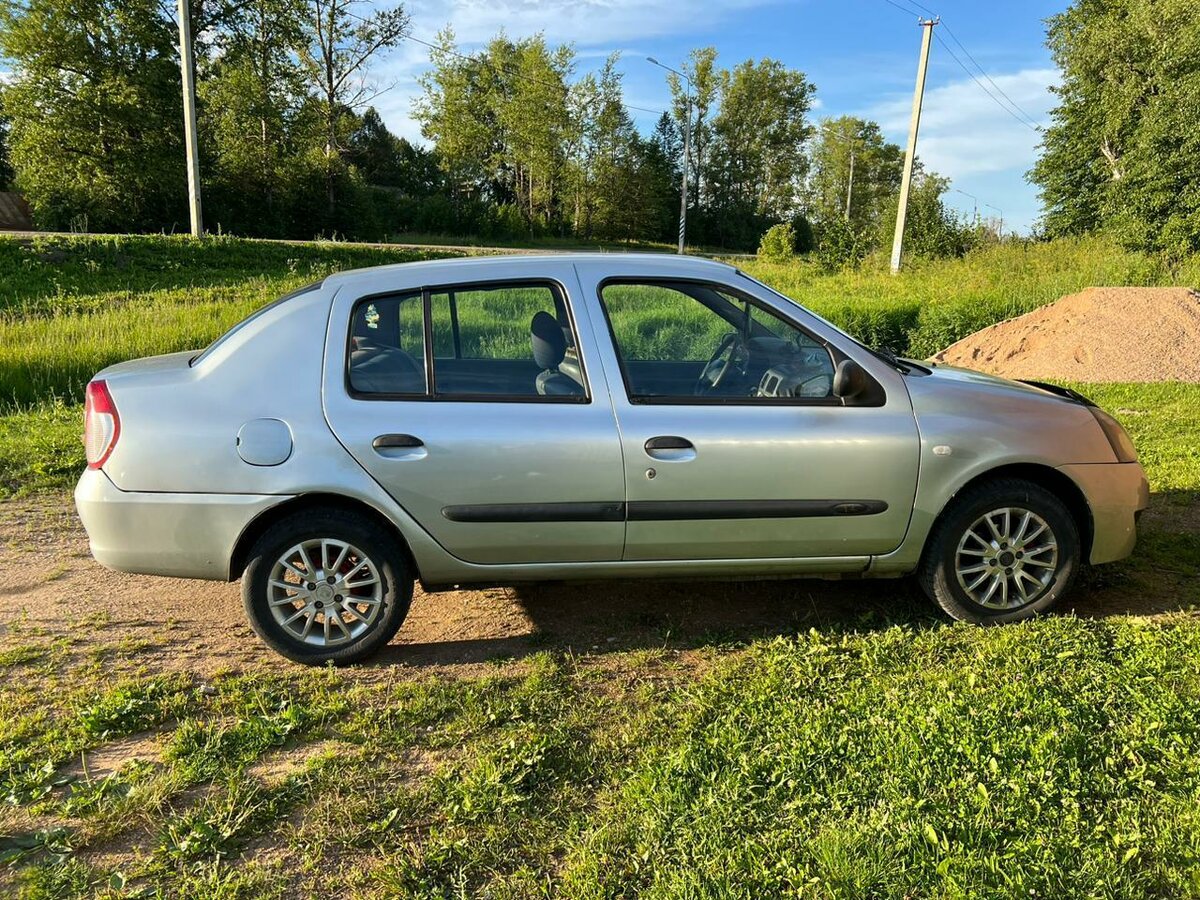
column 469, row 267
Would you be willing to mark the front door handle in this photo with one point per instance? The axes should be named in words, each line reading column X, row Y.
column 670, row 448
column 397, row 442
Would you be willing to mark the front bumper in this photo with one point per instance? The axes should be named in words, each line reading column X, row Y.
column 183, row 535
column 1116, row 494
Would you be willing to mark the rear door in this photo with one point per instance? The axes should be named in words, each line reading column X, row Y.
column 735, row 447
column 502, row 457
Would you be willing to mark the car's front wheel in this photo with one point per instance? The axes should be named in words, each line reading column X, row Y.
column 326, row 586
column 1003, row 551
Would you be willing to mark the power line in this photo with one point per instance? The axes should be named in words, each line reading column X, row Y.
column 999, row 90
column 903, row 9
column 1011, row 107
column 995, row 99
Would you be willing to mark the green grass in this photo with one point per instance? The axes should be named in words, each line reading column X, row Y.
column 896, row 756
column 933, row 303
column 1053, row 759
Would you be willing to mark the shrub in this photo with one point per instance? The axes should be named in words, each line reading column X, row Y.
column 841, row 246
column 778, row 244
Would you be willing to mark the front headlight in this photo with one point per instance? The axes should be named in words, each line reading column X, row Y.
column 1121, row 444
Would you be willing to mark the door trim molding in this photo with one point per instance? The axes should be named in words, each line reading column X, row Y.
column 660, row 510
column 691, row 510
column 536, row 512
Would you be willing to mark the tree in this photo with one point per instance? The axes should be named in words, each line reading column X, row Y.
column 760, row 133
column 251, row 99
column 339, row 44
column 457, row 114
column 6, row 169
column 701, row 69
column 931, row 229
column 877, row 169
column 95, row 111
column 1123, row 151
column 529, row 100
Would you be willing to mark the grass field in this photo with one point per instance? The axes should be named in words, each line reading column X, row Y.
column 893, row 755
column 887, row 755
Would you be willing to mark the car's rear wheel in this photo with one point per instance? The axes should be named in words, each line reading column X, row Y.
column 326, row 586
column 1003, row 551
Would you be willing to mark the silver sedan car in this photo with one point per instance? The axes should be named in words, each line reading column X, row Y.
column 504, row 420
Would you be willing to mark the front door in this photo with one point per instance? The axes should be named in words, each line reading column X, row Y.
column 734, row 445
column 471, row 404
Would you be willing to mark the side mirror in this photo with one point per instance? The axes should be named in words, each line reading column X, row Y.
column 849, row 380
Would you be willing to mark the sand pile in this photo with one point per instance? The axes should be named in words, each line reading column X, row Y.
column 1101, row 334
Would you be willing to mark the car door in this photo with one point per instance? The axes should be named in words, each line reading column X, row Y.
column 503, row 458
column 766, row 462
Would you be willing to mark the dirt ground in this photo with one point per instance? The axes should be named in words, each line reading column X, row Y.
column 1101, row 334
column 49, row 585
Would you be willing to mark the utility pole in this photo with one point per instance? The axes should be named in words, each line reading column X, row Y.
column 850, row 183
column 188, row 68
column 911, row 153
column 687, row 150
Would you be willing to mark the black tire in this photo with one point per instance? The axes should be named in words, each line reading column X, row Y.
column 938, row 574
column 385, row 605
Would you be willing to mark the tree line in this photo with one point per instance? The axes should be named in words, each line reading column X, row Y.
column 1123, row 152
column 521, row 143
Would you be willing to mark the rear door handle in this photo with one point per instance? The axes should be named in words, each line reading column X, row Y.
column 397, row 442
column 670, row 448
column 668, row 442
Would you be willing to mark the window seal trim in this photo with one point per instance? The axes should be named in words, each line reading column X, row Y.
column 651, row 400
column 430, row 394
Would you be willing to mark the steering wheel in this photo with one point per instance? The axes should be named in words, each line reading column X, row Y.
column 735, row 353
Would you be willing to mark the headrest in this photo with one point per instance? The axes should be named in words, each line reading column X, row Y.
column 549, row 342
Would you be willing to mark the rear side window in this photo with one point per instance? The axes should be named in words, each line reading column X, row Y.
column 387, row 346
column 507, row 341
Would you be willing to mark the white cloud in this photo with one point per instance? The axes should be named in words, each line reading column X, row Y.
column 964, row 132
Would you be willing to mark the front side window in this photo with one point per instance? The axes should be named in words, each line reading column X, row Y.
column 685, row 340
column 503, row 341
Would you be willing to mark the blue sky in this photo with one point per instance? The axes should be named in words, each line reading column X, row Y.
column 860, row 54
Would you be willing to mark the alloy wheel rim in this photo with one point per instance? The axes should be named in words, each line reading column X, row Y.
column 1007, row 558
column 325, row 592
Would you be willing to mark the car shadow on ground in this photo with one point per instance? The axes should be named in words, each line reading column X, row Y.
column 618, row 616
column 599, row 617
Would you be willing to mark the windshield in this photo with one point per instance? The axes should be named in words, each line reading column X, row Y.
column 263, row 310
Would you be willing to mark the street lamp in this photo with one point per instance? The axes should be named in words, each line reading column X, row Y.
column 975, row 200
column 687, row 145
column 1000, row 227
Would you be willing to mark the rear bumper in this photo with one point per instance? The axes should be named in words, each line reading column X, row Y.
column 182, row 535
column 1116, row 494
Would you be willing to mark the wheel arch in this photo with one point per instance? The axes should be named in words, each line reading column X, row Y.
column 1044, row 476
column 258, row 526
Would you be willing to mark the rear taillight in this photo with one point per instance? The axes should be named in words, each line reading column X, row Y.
column 101, row 424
